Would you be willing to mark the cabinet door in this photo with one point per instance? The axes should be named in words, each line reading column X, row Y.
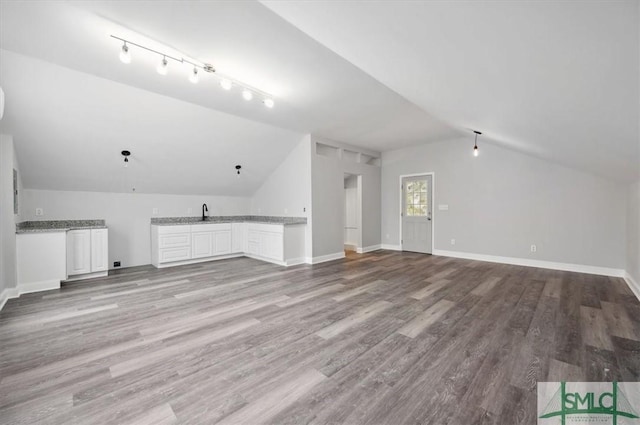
column 202, row 244
column 78, row 252
column 99, row 250
column 271, row 245
column 253, row 242
column 238, row 237
column 222, row 242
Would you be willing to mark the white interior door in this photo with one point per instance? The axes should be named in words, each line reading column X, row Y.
column 416, row 213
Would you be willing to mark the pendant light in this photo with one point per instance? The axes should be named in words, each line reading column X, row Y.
column 476, row 152
column 125, row 56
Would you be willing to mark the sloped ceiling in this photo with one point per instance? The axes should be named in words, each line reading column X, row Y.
column 556, row 79
column 88, row 105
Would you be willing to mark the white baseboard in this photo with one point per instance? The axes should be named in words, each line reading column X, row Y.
column 295, row 261
column 199, row 260
column 325, row 258
column 579, row 268
column 43, row 285
column 391, row 247
column 27, row 288
column 633, row 285
column 368, row 249
column 6, row 295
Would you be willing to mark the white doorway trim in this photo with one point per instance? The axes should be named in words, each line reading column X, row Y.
column 433, row 204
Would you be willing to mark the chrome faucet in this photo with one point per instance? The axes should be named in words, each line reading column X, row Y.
column 204, row 208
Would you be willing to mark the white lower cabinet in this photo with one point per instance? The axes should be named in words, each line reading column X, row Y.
column 87, row 251
column 182, row 244
column 78, row 252
column 201, row 244
column 266, row 240
column 208, row 240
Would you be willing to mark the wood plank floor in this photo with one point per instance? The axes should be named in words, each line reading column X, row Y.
column 380, row 338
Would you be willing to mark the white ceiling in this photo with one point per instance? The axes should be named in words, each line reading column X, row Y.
column 70, row 128
column 315, row 90
column 556, row 79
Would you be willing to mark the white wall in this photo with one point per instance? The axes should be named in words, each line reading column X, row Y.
column 127, row 215
column 633, row 233
column 8, row 162
column 502, row 202
column 328, row 202
column 287, row 191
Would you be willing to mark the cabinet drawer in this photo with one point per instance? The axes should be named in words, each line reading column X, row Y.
column 210, row 227
column 174, row 254
column 165, row 230
column 174, row 240
column 272, row 228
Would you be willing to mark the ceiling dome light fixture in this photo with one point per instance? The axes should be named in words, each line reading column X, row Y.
column 193, row 77
column 163, row 66
column 227, row 82
column 125, row 56
column 476, row 152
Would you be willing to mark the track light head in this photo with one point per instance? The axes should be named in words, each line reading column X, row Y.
column 226, row 84
column 163, row 66
column 268, row 102
column 125, row 56
column 247, row 95
column 193, row 77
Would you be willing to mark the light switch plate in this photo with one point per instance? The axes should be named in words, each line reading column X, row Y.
column 443, row 207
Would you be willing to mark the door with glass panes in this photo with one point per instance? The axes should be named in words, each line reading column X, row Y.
column 416, row 213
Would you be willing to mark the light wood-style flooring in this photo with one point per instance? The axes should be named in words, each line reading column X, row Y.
column 381, row 338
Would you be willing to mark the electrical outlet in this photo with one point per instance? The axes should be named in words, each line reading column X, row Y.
column 453, row 241
column 39, row 211
column 154, row 211
column 304, row 209
column 534, row 248
column 116, row 264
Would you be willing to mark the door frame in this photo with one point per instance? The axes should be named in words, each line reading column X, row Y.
column 433, row 204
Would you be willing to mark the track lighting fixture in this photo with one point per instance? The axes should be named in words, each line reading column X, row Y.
column 476, row 152
column 125, row 56
column 226, row 82
column 126, row 157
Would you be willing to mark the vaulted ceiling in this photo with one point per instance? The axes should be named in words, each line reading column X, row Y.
column 558, row 80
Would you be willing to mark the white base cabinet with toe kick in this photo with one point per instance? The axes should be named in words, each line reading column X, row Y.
column 178, row 244
column 87, row 253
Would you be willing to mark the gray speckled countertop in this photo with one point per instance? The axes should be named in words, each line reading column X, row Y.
column 45, row 226
column 171, row 221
